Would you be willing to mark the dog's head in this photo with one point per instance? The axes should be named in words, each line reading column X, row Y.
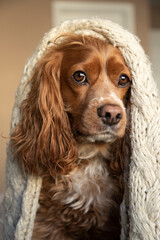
column 78, row 94
column 94, row 80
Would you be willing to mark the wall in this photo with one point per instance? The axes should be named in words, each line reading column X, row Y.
column 155, row 40
column 22, row 25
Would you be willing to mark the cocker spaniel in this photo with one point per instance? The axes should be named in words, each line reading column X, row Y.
column 72, row 133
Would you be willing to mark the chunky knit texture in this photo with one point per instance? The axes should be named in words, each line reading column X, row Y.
column 141, row 217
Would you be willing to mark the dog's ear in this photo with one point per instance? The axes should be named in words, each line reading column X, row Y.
column 121, row 148
column 43, row 140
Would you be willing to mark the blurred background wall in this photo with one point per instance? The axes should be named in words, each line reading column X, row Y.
column 22, row 25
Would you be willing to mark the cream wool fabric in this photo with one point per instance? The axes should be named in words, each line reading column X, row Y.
column 141, row 218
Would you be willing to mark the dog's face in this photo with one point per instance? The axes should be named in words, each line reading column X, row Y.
column 94, row 83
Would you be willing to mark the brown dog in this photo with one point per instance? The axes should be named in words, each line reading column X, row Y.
column 72, row 134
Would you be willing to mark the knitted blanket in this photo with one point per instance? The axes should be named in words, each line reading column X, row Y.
column 140, row 212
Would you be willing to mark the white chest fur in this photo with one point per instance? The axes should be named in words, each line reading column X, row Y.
column 89, row 184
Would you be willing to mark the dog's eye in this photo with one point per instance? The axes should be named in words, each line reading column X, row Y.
column 123, row 80
column 80, row 77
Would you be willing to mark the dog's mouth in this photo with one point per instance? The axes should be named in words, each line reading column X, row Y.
column 85, row 133
column 105, row 136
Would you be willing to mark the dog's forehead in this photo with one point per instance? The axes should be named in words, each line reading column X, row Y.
column 87, row 45
column 93, row 56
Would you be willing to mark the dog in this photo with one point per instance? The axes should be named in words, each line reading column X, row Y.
column 72, row 133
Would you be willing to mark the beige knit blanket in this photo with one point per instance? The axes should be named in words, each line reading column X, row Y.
column 143, row 183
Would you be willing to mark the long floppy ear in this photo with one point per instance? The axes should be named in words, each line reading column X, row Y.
column 43, row 140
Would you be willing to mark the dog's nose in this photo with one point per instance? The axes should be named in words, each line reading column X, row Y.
column 110, row 114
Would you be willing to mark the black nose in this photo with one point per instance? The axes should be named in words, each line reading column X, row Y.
column 110, row 114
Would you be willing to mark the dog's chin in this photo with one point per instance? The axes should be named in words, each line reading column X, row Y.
column 99, row 137
column 106, row 138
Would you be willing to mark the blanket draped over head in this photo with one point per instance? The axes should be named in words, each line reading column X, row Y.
column 140, row 210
